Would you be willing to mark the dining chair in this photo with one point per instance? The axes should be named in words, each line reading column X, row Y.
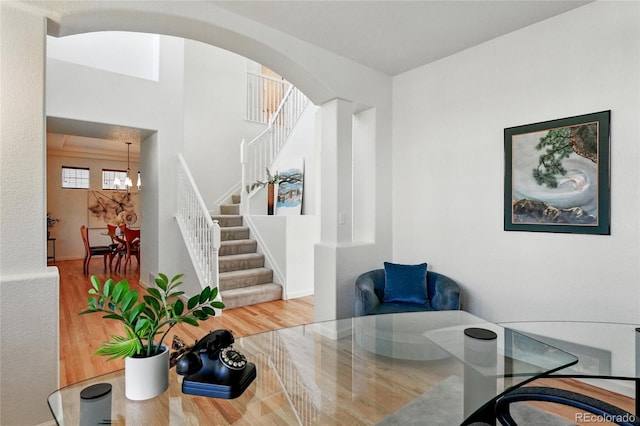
column 117, row 241
column 132, row 243
column 89, row 251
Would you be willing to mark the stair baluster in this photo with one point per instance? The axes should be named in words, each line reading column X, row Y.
column 259, row 153
column 200, row 232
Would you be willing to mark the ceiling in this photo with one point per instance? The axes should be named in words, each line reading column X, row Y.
column 397, row 36
column 389, row 36
column 85, row 138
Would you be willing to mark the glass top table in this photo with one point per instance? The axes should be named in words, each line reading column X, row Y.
column 608, row 353
column 364, row 370
column 602, row 349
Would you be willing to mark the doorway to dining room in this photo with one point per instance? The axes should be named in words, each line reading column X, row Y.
column 100, row 152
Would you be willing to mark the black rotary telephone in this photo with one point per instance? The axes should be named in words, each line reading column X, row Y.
column 212, row 367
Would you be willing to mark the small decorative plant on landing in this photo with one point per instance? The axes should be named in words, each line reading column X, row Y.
column 271, row 180
column 158, row 312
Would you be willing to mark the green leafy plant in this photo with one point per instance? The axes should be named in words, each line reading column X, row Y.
column 51, row 221
column 271, row 179
column 155, row 315
column 559, row 144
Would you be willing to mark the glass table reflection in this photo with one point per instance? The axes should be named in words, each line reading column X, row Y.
column 364, row 370
column 608, row 360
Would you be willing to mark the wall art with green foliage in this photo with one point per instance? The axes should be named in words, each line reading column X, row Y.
column 557, row 175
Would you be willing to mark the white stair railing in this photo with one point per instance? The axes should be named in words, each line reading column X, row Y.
column 200, row 232
column 300, row 398
column 257, row 155
column 264, row 95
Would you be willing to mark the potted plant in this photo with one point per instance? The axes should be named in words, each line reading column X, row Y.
column 271, row 182
column 147, row 323
column 51, row 221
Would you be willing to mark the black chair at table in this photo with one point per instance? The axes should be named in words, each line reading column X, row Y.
column 118, row 244
column 90, row 251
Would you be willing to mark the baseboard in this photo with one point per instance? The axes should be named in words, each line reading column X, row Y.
column 298, row 294
column 58, row 258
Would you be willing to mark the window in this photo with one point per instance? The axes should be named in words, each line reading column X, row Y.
column 109, row 175
column 75, row 177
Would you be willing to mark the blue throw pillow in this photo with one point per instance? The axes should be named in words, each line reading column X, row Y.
column 405, row 283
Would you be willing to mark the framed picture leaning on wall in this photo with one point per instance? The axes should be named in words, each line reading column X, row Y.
column 557, row 175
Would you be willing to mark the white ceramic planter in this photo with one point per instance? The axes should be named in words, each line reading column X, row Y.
column 146, row 378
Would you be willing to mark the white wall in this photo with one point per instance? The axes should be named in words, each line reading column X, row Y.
column 215, row 87
column 448, row 167
column 29, row 343
column 134, row 54
column 322, row 75
column 302, row 143
column 288, row 245
column 70, row 205
column 94, row 95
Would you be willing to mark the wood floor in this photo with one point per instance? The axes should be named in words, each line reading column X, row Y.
column 81, row 335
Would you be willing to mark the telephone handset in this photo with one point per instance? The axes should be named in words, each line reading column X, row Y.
column 212, row 367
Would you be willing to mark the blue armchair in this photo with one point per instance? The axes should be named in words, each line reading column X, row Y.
column 442, row 292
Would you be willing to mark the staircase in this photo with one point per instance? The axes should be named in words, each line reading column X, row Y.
column 243, row 278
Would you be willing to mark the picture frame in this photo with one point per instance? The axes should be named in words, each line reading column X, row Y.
column 557, row 175
column 113, row 207
column 290, row 187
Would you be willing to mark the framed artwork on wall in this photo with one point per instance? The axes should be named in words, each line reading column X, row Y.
column 113, row 207
column 557, row 175
column 290, row 185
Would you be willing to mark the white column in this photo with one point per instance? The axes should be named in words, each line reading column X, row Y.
column 29, row 302
column 335, row 190
column 336, row 172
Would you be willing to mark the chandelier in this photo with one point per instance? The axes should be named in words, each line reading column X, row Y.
column 127, row 182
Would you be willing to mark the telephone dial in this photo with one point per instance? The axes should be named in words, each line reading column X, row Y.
column 212, row 367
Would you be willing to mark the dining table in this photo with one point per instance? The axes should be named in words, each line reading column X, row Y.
column 379, row 369
column 119, row 241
